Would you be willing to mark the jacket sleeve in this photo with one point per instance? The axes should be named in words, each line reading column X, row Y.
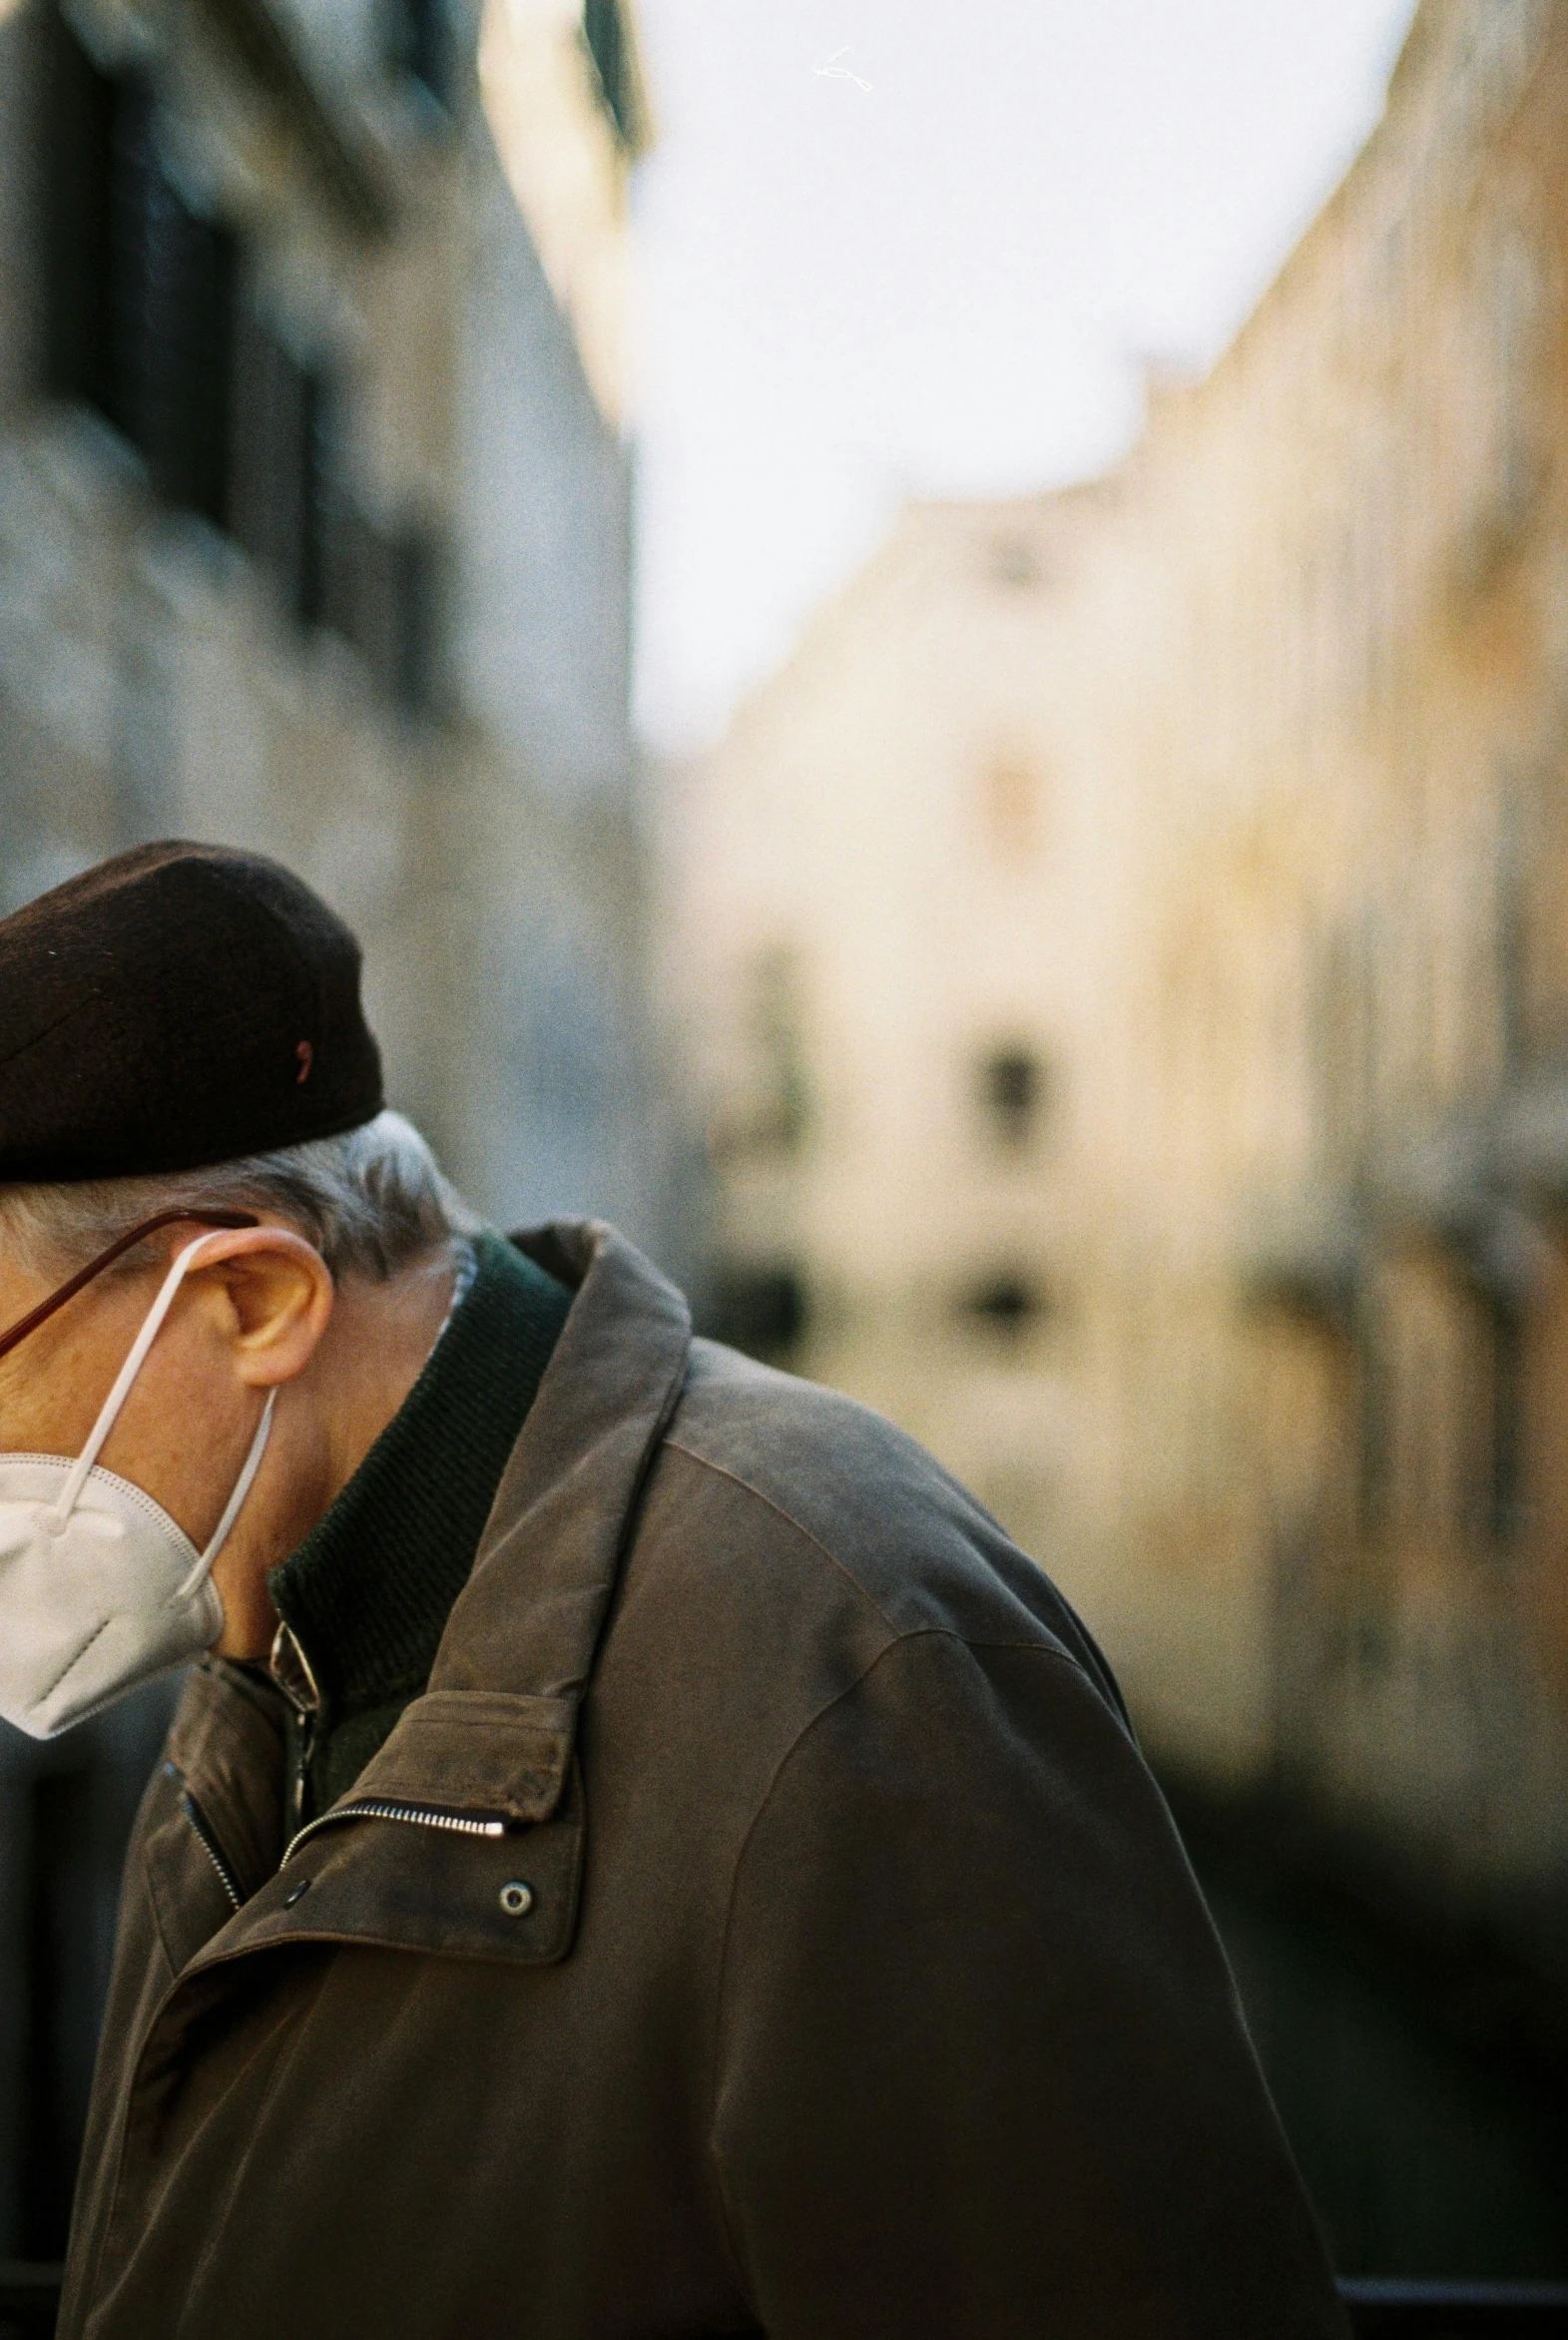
column 981, row 2070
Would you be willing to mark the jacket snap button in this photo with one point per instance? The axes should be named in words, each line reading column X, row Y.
column 298, row 1894
column 517, row 1900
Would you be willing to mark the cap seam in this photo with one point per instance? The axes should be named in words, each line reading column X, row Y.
column 35, row 1039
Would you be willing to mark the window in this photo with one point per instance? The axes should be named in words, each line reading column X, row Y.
column 280, row 491
column 419, row 43
column 76, row 143
column 148, row 320
column 759, row 1309
column 139, row 287
column 383, row 594
column 171, row 295
column 604, row 31
column 413, row 673
column 1012, row 1095
column 1006, row 1302
column 1013, row 561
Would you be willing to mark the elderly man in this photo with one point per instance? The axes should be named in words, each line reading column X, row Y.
column 639, row 1851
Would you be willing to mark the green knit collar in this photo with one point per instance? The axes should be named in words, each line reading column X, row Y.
column 370, row 1590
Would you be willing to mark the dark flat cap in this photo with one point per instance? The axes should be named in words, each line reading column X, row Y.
column 177, row 1006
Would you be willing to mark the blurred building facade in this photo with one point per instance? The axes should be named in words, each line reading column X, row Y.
column 315, row 537
column 880, row 940
column 1125, row 964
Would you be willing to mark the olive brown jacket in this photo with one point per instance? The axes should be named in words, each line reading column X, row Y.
column 764, row 1924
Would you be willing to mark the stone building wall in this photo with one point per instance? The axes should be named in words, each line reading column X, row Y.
column 159, row 675
column 313, row 537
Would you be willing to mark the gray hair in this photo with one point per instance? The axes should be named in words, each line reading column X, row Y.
column 372, row 1201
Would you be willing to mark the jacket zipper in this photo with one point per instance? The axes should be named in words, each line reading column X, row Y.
column 209, row 1844
column 290, row 1671
column 416, row 1815
column 372, row 1808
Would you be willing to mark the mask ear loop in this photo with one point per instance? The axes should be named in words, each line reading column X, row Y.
column 116, row 1399
column 232, row 1509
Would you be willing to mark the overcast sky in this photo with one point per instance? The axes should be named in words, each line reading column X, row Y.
column 911, row 247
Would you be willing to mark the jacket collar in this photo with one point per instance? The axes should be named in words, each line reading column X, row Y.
column 495, row 1729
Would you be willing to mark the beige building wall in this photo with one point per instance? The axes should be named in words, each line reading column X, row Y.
column 1355, row 697
column 1289, row 690
column 568, row 154
column 881, row 959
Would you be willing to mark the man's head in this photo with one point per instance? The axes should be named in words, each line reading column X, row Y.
column 176, row 1005
column 139, row 1019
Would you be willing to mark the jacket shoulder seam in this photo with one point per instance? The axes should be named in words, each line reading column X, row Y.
column 728, row 2225
column 770, row 1503
column 899, row 1639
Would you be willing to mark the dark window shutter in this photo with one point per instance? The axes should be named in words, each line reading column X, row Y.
column 374, row 623
column 139, row 289
column 75, row 147
column 762, row 1311
column 280, row 497
column 350, row 564
column 269, row 469
column 605, row 34
column 431, row 59
column 172, row 319
column 135, row 185
column 314, row 499
column 384, row 601
column 419, row 42
column 414, row 676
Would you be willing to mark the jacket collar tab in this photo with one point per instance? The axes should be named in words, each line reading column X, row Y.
column 495, row 1729
column 477, row 1751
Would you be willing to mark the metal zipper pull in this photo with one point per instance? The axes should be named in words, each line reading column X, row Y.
column 290, row 1671
column 413, row 1815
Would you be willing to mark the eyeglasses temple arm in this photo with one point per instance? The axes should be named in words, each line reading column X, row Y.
column 106, row 1259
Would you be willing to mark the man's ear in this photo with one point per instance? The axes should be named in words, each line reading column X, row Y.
column 274, row 1293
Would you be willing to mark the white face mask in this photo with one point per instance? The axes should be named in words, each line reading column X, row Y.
column 98, row 1589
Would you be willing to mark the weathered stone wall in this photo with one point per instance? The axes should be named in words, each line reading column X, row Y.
column 155, row 681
